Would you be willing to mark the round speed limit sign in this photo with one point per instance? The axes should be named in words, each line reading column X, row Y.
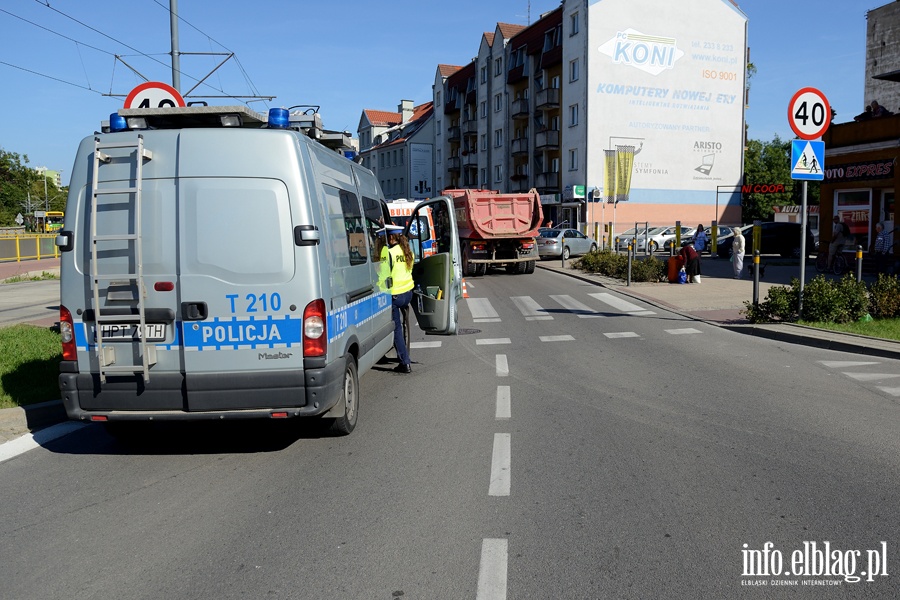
column 809, row 113
column 153, row 94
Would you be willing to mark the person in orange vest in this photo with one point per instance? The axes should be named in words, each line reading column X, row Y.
column 396, row 273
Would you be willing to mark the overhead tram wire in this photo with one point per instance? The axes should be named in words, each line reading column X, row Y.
column 46, row 4
column 50, row 77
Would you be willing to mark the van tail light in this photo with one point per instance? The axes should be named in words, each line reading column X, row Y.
column 67, row 334
column 315, row 329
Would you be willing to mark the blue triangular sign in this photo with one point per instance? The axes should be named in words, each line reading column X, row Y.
column 807, row 160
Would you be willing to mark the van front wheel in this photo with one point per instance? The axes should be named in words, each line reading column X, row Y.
column 350, row 398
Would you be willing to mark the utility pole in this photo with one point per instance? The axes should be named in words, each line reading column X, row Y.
column 176, row 55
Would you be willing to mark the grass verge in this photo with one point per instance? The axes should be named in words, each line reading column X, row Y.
column 888, row 329
column 45, row 275
column 29, row 365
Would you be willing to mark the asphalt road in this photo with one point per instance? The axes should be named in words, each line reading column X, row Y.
column 41, row 302
column 567, row 444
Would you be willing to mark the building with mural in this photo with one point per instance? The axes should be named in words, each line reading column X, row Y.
column 636, row 102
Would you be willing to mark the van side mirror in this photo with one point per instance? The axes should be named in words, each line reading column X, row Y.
column 65, row 241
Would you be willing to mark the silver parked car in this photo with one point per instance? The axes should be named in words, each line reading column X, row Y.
column 564, row 243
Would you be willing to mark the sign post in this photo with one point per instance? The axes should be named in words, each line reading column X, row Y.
column 809, row 115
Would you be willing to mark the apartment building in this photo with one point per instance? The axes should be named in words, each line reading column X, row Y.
column 399, row 148
column 636, row 100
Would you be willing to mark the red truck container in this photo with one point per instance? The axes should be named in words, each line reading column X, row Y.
column 497, row 229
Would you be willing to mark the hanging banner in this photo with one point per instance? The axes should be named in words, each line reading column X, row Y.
column 625, row 162
column 609, row 181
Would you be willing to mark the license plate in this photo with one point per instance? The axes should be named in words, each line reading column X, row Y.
column 156, row 332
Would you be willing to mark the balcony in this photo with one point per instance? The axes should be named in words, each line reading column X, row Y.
column 519, row 108
column 470, row 159
column 547, row 140
column 875, row 131
column 547, row 180
column 519, row 146
column 519, row 186
column 453, row 163
column 470, row 127
column 453, row 133
column 547, row 98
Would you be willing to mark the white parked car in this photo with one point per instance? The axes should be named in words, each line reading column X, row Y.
column 658, row 236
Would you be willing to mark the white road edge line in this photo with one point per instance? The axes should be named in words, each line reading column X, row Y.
column 500, row 465
column 30, row 441
column 504, row 403
column 492, row 569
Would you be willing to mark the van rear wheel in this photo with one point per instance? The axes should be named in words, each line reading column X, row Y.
column 350, row 397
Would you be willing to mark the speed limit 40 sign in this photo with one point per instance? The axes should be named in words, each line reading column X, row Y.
column 153, row 94
column 809, row 113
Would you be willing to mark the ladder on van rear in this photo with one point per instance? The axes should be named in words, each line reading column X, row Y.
column 106, row 355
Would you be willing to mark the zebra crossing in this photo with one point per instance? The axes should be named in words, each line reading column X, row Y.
column 851, row 369
column 559, row 306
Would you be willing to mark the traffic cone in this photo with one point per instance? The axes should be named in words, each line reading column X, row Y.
column 465, row 291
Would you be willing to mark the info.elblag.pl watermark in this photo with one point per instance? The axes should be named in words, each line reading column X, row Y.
column 812, row 564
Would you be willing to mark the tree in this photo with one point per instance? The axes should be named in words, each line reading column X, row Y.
column 770, row 163
column 18, row 183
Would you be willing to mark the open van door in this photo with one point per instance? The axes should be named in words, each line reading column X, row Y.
column 438, row 277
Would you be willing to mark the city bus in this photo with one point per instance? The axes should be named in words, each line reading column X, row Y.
column 53, row 221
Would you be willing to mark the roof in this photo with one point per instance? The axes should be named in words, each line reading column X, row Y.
column 421, row 114
column 382, row 118
column 489, row 36
column 448, row 70
column 508, row 30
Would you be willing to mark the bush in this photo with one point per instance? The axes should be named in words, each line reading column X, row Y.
column 610, row 264
column 824, row 301
column 884, row 297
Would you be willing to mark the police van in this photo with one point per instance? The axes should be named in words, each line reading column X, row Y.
column 220, row 263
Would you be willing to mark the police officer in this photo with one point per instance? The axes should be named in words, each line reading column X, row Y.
column 396, row 267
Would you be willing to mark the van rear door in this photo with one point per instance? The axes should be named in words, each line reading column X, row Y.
column 438, row 277
column 241, row 322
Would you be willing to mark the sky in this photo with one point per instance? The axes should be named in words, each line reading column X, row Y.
column 60, row 77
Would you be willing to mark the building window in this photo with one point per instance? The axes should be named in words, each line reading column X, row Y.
column 573, row 159
column 484, row 109
column 401, row 156
column 438, row 155
column 438, row 99
column 573, row 115
column 483, row 74
column 498, row 138
column 554, row 165
column 498, row 66
column 498, row 102
column 498, row 174
column 403, row 187
column 573, row 24
column 484, row 177
column 438, row 127
column 484, row 141
column 573, row 70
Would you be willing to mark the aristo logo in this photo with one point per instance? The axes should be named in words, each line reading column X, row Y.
column 649, row 53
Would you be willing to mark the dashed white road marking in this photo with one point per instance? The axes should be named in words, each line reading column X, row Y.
column 841, row 364
column 575, row 307
column 30, row 441
column 502, row 366
column 504, row 403
column 500, row 465
column 557, row 338
column 622, row 334
column 620, row 304
column 425, row 344
column 871, row 376
column 530, row 309
column 492, row 341
column 684, row 331
column 482, row 310
column 492, row 569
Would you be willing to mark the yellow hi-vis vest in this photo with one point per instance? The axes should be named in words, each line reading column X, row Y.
column 401, row 273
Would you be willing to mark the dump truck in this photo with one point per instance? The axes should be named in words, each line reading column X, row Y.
column 497, row 230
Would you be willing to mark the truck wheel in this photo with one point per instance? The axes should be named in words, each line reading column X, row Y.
column 350, row 397
column 521, row 268
column 529, row 267
column 512, row 268
column 468, row 268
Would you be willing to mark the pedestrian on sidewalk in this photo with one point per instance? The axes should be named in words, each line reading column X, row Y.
column 700, row 239
column 691, row 261
column 737, row 252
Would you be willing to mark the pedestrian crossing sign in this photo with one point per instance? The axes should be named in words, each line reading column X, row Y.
column 807, row 160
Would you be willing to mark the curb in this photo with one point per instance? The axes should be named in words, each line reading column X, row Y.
column 19, row 420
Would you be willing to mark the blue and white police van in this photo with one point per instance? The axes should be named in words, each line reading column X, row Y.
column 219, row 263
